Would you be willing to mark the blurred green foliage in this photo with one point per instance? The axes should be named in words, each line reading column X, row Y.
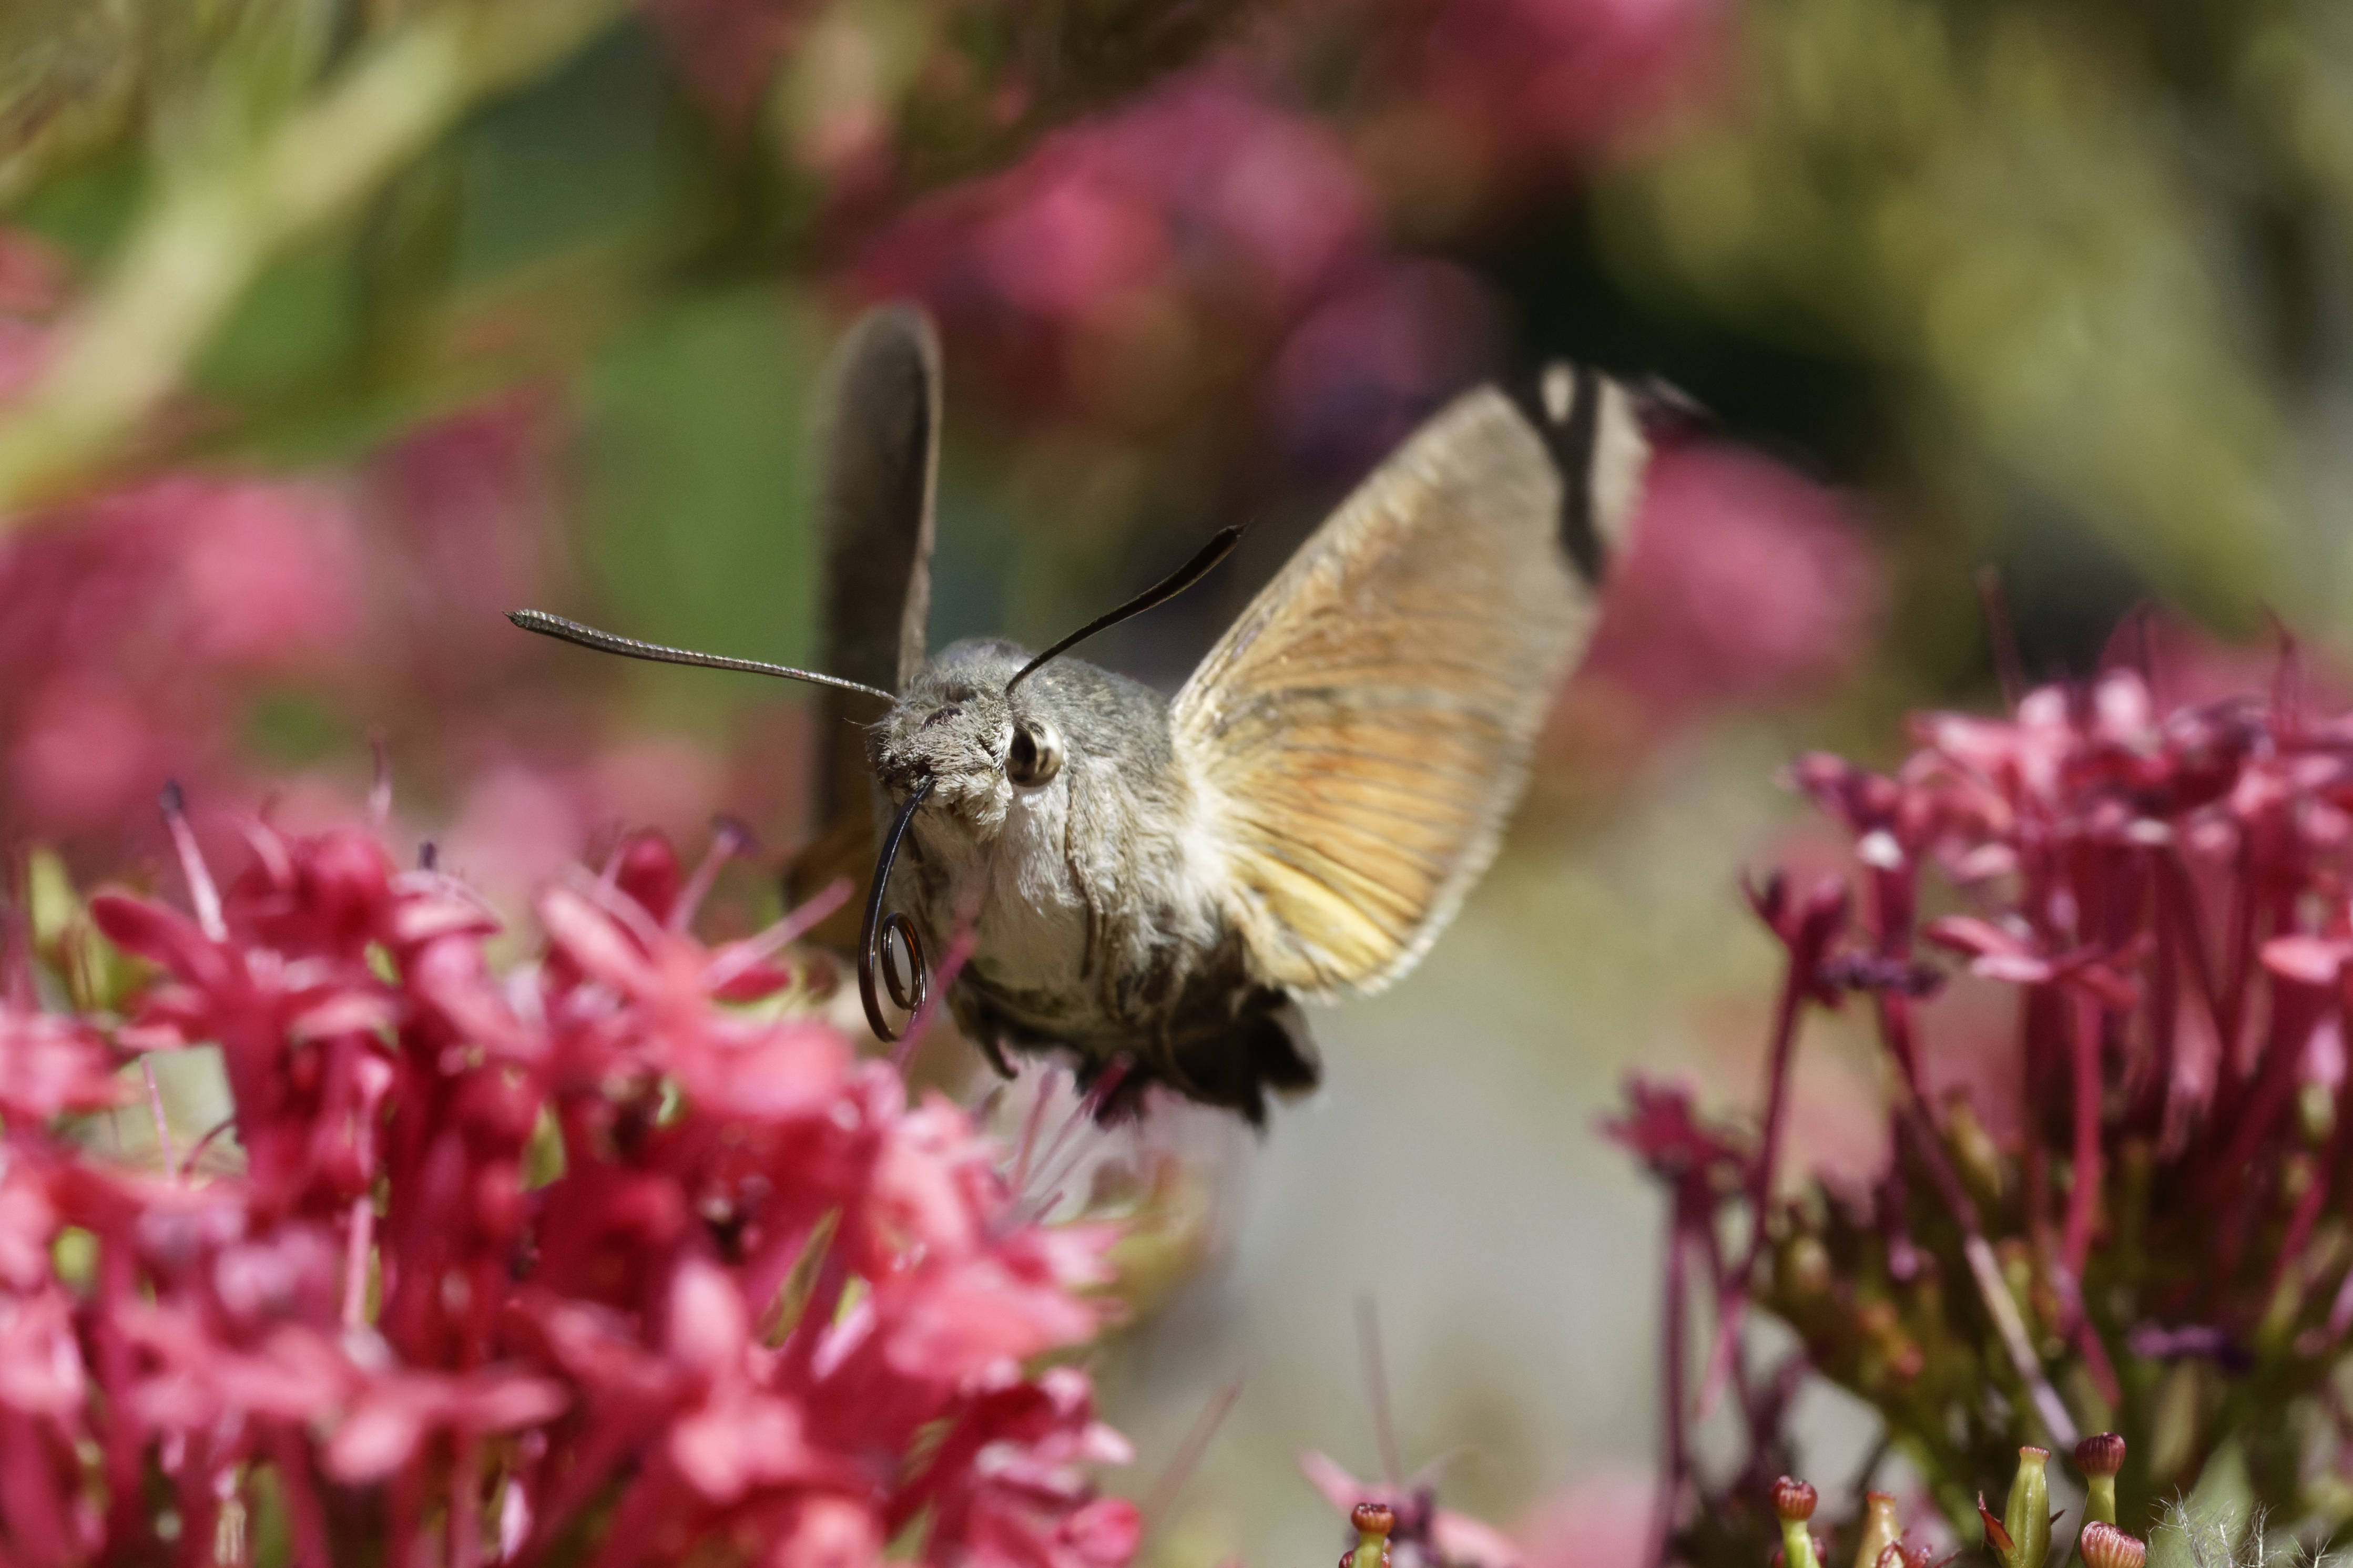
column 2088, row 253
column 2056, row 280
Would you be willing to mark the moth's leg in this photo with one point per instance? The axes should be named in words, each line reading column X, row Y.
column 1282, row 1054
column 981, row 1025
column 1126, row 1101
column 992, row 1050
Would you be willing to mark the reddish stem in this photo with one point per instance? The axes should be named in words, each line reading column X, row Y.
column 128, row 1527
column 1732, row 1295
column 162, row 1125
column 1795, row 982
column 2230, row 1072
column 1673, row 1455
column 1993, row 1289
column 2083, row 1195
column 2295, row 1010
column 306, row 1520
column 359, row 1242
column 466, row 1502
column 595, row 1458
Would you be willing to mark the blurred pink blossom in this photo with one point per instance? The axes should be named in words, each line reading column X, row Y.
column 1372, row 359
column 32, row 274
column 1202, row 193
column 268, row 574
column 1601, row 1519
column 1746, row 583
column 462, row 515
column 2185, row 665
column 24, row 346
column 32, row 279
column 727, row 49
column 132, row 625
column 520, row 819
column 1546, row 78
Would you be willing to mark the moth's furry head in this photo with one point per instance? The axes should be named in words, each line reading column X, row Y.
column 953, row 724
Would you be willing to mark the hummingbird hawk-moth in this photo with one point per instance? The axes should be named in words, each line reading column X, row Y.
column 1158, row 882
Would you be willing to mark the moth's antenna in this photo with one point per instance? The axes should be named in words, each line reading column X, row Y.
column 556, row 626
column 1160, row 592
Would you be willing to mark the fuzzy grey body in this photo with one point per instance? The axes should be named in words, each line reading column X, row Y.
column 1096, row 898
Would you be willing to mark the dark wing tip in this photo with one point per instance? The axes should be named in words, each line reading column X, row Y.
column 1666, row 411
column 1563, row 405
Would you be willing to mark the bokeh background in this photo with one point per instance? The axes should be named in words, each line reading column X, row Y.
column 329, row 328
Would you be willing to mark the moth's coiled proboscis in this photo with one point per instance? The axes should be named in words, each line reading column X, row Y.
column 874, row 935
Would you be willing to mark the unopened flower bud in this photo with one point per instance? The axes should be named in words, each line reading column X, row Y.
column 2100, row 1457
column 1793, row 1504
column 1793, row 1501
column 2105, row 1546
column 2100, row 1454
column 1374, row 1521
column 1881, row 1529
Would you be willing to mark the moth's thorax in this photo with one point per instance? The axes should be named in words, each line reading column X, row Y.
column 1077, row 888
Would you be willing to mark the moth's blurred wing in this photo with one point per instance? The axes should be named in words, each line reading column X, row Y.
column 878, row 452
column 1361, row 733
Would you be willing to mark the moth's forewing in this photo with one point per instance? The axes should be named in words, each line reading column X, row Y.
column 878, row 455
column 878, row 461
column 1363, row 730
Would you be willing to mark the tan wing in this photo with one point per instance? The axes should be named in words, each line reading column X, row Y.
column 1361, row 733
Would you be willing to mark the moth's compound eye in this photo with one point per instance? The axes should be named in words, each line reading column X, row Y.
column 1034, row 755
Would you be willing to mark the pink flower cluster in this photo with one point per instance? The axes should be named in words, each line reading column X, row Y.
column 2165, row 896
column 132, row 630
column 1746, row 583
column 1132, row 241
column 611, row 1255
column 1528, row 81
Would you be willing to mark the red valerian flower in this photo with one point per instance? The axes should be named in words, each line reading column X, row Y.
column 1664, row 1130
column 2166, row 894
column 1425, row 1535
column 614, row 1253
column 50, row 1066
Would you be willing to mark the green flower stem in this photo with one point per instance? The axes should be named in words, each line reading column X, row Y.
column 2100, row 1500
column 1797, row 1544
column 212, row 228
